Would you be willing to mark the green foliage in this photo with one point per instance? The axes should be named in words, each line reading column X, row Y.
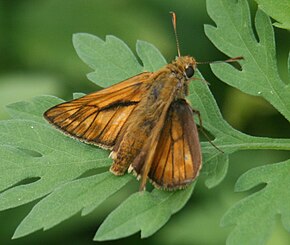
column 279, row 10
column 255, row 216
column 259, row 76
column 234, row 36
column 85, row 193
column 40, row 162
column 118, row 61
column 143, row 211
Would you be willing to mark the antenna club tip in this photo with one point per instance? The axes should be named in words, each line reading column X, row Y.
column 173, row 18
column 175, row 32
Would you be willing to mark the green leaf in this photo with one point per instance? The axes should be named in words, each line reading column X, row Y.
column 255, row 216
column 151, row 57
column 234, row 36
column 78, row 95
column 32, row 110
column 216, row 170
column 33, row 150
column 143, row 211
column 111, row 59
column 258, row 76
column 86, row 194
column 226, row 138
column 278, row 10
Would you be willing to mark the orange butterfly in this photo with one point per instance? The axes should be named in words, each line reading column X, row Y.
column 145, row 121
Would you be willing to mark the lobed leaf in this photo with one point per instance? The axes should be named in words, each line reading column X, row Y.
column 279, row 10
column 142, row 211
column 234, row 36
column 151, row 57
column 32, row 110
column 84, row 194
column 33, row 150
column 227, row 138
column 111, row 60
column 255, row 216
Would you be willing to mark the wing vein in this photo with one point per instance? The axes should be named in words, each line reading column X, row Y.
column 90, row 123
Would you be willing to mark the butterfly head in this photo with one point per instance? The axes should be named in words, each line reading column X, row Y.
column 184, row 66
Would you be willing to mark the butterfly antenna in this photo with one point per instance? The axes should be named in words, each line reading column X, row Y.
column 175, row 32
column 221, row 61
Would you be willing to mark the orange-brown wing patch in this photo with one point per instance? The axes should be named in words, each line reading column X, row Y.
column 98, row 118
column 177, row 159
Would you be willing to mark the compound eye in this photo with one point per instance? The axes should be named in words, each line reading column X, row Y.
column 189, row 71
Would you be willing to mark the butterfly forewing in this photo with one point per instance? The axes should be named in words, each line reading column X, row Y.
column 98, row 118
column 178, row 159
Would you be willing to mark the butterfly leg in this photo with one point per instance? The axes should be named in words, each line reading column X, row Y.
column 201, row 129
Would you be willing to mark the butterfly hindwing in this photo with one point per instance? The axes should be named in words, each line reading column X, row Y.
column 98, row 118
column 177, row 160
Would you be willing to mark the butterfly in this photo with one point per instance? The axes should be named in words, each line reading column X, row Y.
column 145, row 121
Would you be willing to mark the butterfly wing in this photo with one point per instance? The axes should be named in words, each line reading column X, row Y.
column 98, row 118
column 178, row 159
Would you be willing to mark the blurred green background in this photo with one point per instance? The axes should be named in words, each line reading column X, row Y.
column 37, row 57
